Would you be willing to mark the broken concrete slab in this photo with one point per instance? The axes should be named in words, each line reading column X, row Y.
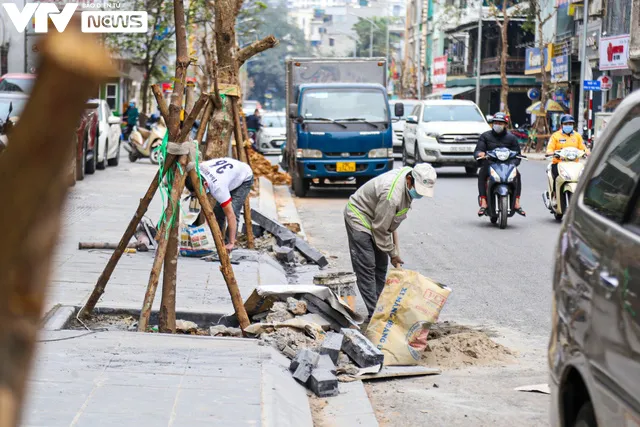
column 283, row 235
column 296, row 307
column 319, row 320
column 303, row 364
column 360, row 349
column 278, row 313
column 284, row 253
column 332, row 345
column 221, row 330
column 323, row 383
column 317, row 305
column 325, row 363
column 310, row 253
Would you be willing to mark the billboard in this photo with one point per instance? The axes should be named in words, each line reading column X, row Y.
column 614, row 52
column 560, row 68
column 439, row 79
column 533, row 60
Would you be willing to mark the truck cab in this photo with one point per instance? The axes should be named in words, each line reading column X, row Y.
column 338, row 131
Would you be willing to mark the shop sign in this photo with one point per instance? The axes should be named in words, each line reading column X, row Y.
column 614, row 52
column 560, row 69
column 439, row 79
column 533, row 60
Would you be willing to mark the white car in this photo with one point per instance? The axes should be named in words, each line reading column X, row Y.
column 272, row 134
column 398, row 126
column 109, row 132
column 443, row 133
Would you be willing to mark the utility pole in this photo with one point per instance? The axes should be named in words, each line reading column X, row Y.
column 478, row 52
column 583, row 66
column 370, row 39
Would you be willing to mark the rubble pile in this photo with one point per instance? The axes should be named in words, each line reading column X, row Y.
column 263, row 167
column 311, row 333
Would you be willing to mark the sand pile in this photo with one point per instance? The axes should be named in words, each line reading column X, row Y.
column 263, row 167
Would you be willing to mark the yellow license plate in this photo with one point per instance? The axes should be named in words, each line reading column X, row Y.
column 346, row 167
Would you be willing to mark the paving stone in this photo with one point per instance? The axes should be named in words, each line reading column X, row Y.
column 302, row 365
column 283, row 235
column 360, row 349
column 325, row 363
column 284, row 253
column 332, row 345
column 310, row 253
column 323, row 383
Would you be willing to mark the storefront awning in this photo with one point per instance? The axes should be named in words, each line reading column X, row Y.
column 451, row 92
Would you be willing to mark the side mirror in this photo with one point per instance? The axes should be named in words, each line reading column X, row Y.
column 399, row 109
column 113, row 120
column 293, row 111
column 412, row 119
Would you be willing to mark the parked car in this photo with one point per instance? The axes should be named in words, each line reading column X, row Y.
column 594, row 350
column 16, row 82
column 443, row 133
column 109, row 135
column 11, row 106
column 87, row 137
column 398, row 126
column 272, row 134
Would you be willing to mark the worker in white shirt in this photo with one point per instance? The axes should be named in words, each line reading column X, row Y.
column 229, row 182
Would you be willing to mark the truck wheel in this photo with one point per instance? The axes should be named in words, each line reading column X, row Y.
column 471, row 170
column 300, row 185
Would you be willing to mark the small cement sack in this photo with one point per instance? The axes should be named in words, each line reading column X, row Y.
column 409, row 304
column 195, row 241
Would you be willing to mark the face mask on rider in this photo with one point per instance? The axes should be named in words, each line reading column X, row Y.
column 567, row 129
column 498, row 128
column 414, row 194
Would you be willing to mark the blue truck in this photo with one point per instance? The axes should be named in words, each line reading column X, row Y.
column 338, row 121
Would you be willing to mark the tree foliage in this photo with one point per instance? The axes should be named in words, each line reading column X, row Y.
column 267, row 70
column 363, row 34
column 151, row 48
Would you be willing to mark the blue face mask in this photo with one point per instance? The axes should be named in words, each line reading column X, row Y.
column 414, row 194
column 567, row 129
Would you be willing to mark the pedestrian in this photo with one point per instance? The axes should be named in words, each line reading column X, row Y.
column 228, row 182
column 372, row 217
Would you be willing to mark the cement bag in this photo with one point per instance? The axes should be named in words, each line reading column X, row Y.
column 195, row 241
column 409, row 304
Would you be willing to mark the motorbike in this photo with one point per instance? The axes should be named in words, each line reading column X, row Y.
column 142, row 142
column 569, row 171
column 501, row 186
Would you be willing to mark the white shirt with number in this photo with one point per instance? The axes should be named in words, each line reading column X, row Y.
column 223, row 176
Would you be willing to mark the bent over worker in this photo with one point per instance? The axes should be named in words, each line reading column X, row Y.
column 228, row 182
column 372, row 216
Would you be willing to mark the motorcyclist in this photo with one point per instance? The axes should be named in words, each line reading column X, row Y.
column 497, row 137
column 131, row 115
column 565, row 137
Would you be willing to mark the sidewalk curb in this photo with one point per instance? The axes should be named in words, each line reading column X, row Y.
column 266, row 201
column 287, row 209
column 351, row 407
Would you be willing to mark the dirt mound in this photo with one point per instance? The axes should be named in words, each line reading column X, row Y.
column 454, row 346
column 263, row 167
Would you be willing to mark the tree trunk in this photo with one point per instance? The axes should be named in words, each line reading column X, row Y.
column 221, row 126
column 145, row 96
column 504, row 56
column 32, row 182
column 541, row 118
column 169, row 279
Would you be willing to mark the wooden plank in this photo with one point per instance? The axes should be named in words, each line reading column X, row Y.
column 400, row 371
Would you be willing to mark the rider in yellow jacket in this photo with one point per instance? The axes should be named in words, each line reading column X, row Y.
column 565, row 137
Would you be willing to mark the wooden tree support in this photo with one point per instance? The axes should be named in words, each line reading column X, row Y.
column 242, row 155
column 33, row 183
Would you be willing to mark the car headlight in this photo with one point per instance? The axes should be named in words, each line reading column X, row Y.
column 378, row 153
column 494, row 175
column 564, row 174
column 512, row 175
column 433, row 135
column 307, row 153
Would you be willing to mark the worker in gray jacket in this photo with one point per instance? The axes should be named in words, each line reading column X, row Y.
column 372, row 216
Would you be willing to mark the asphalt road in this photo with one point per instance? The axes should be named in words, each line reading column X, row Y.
column 501, row 279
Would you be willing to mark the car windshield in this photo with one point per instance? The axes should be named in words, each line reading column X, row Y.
column 408, row 108
column 16, row 85
column 273, row 121
column 451, row 113
column 338, row 104
column 18, row 106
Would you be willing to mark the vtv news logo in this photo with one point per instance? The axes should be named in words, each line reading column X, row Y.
column 92, row 21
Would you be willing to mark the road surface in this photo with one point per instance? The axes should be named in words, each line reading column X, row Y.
column 501, row 280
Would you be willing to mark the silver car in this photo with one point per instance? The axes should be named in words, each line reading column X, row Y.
column 398, row 126
column 272, row 134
